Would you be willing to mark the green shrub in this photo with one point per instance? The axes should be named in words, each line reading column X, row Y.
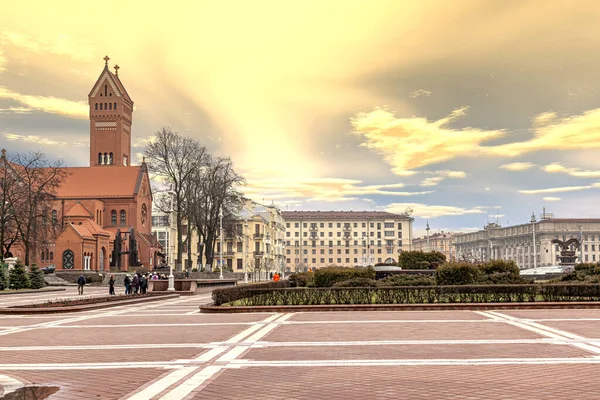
column 357, row 282
column 234, row 293
column 302, row 279
column 500, row 272
column 421, row 260
column 408, row 280
column 457, row 274
column 18, row 278
column 326, row 277
column 36, row 278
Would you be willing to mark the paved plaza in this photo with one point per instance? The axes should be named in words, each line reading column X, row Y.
column 168, row 350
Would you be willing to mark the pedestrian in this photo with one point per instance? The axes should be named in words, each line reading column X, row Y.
column 135, row 283
column 80, row 283
column 127, row 283
column 155, row 276
column 111, row 285
column 143, row 284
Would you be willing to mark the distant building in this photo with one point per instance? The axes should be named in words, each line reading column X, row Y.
column 442, row 242
column 316, row 239
column 515, row 243
column 255, row 245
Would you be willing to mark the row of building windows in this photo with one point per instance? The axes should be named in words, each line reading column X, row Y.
column 105, row 106
column 105, row 159
column 113, row 217
column 313, row 225
column 329, row 260
column 339, row 251
column 313, row 235
column 47, row 255
column 388, row 243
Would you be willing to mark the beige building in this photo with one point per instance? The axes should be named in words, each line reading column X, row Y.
column 316, row 239
column 517, row 242
column 442, row 242
column 257, row 245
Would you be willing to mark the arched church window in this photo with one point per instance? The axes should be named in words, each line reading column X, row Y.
column 113, row 217
column 42, row 255
column 105, row 159
column 144, row 214
column 123, row 217
column 115, row 106
column 51, row 256
column 105, row 90
column 96, row 106
column 54, row 216
column 110, row 158
column 99, row 158
column 47, row 254
column 110, row 106
column 105, row 108
column 100, row 106
column 68, row 259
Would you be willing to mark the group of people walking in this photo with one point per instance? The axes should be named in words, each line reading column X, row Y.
column 138, row 284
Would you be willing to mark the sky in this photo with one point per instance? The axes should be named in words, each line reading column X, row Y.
column 466, row 112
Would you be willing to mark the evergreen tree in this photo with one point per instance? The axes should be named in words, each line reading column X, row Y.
column 18, row 278
column 36, row 277
column 3, row 277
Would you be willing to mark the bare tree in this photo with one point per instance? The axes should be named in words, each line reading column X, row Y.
column 215, row 187
column 173, row 159
column 28, row 194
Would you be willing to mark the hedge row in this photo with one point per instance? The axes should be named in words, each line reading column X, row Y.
column 231, row 294
column 249, row 296
column 19, row 278
column 421, row 260
column 492, row 272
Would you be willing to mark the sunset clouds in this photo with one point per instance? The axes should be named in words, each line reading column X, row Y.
column 452, row 107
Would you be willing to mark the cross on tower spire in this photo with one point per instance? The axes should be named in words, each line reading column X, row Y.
column 106, row 58
column 117, row 69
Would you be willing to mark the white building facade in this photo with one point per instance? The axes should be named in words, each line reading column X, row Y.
column 516, row 242
column 317, row 239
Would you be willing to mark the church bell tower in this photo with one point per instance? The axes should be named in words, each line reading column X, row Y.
column 111, row 111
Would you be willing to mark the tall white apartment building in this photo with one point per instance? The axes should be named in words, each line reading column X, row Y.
column 316, row 239
column 516, row 242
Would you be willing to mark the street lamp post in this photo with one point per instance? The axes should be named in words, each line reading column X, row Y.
column 221, row 241
column 171, row 276
column 246, row 252
column 534, row 245
column 428, row 249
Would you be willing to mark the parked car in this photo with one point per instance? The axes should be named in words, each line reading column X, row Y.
column 49, row 269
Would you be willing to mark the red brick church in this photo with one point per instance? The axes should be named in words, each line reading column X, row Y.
column 105, row 209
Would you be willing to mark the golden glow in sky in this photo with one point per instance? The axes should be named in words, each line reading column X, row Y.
column 450, row 107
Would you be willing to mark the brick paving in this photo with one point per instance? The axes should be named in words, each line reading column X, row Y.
column 166, row 349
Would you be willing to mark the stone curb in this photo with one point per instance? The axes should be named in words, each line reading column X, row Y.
column 83, row 307
column 398, row 307
column 33, row 291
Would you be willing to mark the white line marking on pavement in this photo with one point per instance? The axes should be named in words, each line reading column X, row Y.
column 84, row 366
column 109, row 347
column 252, row 329
column 545, row 331
column 163, row 383
column 392, row 321
column 233, row 354
column 353, row 363
column 268, row 328
column 151, row 325
column 192, row 383
column 209, row 355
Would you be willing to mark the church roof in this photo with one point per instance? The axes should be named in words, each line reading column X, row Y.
column 103, row 181
column 114, row 81
column 78, row 210
column 88, row 229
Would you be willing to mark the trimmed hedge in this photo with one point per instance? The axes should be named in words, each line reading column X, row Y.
column 302, row 279
column 408, row 280
column 457, row 274
column 248, row 296
column 421, row 260
column 326, row 277
column 357, row 282
column 231, row 294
